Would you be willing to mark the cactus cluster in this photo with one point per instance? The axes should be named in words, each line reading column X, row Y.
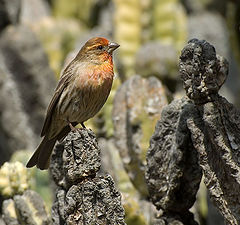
column 127, row 23
column 21, row 206
column 137, row 22
column 169, row 23
column 13, row 179
column 27, row 208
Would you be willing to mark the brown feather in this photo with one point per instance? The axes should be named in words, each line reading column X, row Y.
column 81, row 92
column 42, row 155
column 63, row 82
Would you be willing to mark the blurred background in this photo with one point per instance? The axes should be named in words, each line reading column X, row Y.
column 39, row 37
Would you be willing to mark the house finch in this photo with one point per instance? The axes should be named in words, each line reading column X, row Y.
column 81, row 92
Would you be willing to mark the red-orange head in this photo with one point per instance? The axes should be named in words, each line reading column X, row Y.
column 97, row 49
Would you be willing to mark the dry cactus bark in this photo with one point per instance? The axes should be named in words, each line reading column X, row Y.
column 137, row 107
column 201, row 130
column 26, row 82
column 215, row 127
column 83, row 197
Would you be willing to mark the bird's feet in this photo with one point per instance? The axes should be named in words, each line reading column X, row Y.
column 83, row 125
column 72, row 127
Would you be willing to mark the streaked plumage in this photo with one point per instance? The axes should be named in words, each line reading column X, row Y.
column 81, row 92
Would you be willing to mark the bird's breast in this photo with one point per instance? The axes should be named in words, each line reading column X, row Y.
column 95, row 77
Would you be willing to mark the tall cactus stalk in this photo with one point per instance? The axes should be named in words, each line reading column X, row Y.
column 127, row 20
column 169, row 22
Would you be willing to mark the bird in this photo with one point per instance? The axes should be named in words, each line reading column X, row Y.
column 81, row 92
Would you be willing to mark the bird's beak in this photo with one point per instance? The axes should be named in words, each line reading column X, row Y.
column 112, row 46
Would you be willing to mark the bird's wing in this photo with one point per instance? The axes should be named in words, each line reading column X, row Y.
column 64, row 80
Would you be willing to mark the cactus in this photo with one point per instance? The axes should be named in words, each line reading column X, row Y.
column 127, row 20
column 134, row 215
column 73, row 9
column 137, row 106
column 137, row 22
column 58, row 38
column 27, row 208
column 37, row 180
column 232, row 15
column 169, row 23
column 13, row 179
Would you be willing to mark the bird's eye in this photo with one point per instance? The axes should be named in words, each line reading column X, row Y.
column 100, row 47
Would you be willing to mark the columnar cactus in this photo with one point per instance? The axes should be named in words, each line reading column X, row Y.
column 21, row 206
column 13, row 179
column 169, row 23
column 127, row 20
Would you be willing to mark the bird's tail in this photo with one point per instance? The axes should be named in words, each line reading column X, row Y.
column 41, row 156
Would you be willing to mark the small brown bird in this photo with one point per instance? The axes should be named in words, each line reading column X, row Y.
column 81, row 92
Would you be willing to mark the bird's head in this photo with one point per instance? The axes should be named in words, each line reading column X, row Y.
column 97, row 49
